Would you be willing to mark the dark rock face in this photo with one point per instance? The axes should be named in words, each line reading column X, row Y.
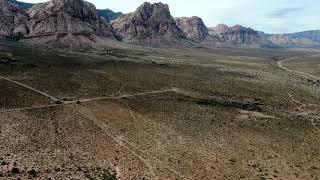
column 193, row 28
column 109, row 14
column 13, row 20
column 149, row 23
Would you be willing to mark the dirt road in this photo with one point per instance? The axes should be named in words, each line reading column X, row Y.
column 281, row 66
column 32, row 89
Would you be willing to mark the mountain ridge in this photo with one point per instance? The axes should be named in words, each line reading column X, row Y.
column 150, row 24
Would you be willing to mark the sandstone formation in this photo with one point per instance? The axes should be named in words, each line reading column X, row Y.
column 150, row 23
column 58, row 19
column 78, row 23
column 193, row 28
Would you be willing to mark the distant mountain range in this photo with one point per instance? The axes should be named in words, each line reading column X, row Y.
column 109, row 14
column 300, row 39
column 78, row 23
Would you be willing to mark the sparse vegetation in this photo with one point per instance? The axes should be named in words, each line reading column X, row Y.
column 239, row 115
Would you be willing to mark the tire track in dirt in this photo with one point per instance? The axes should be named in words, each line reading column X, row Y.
column 118, row 140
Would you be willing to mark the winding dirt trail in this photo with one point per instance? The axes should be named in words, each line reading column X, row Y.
column 308, row 114
column 281, row 66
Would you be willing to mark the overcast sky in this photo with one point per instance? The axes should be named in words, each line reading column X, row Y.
column 271, row 16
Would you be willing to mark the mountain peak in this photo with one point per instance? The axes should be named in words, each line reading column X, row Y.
column 150, row 22
column 147, row 10
column 193, row 28
column 76, row 20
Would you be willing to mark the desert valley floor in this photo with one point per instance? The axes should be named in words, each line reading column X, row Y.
column 128, row 112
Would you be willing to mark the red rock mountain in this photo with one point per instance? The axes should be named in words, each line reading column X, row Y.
column 151, row 23
column 72, row 22
column 193, row 28
column 77, row 23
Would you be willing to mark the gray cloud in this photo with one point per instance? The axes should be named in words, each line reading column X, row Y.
column 280, row 13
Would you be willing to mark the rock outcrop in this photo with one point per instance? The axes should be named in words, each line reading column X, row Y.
column 193, row 28
column 58, row 19
column 150, row 23
column 13, row 20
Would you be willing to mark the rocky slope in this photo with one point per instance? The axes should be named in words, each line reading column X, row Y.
column 13, row 20
column 193, row 28
column 150, row 23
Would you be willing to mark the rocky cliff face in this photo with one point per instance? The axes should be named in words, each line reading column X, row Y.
column 13, row 20
column 193, row 28
column 65, row 18
column 149, row 23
